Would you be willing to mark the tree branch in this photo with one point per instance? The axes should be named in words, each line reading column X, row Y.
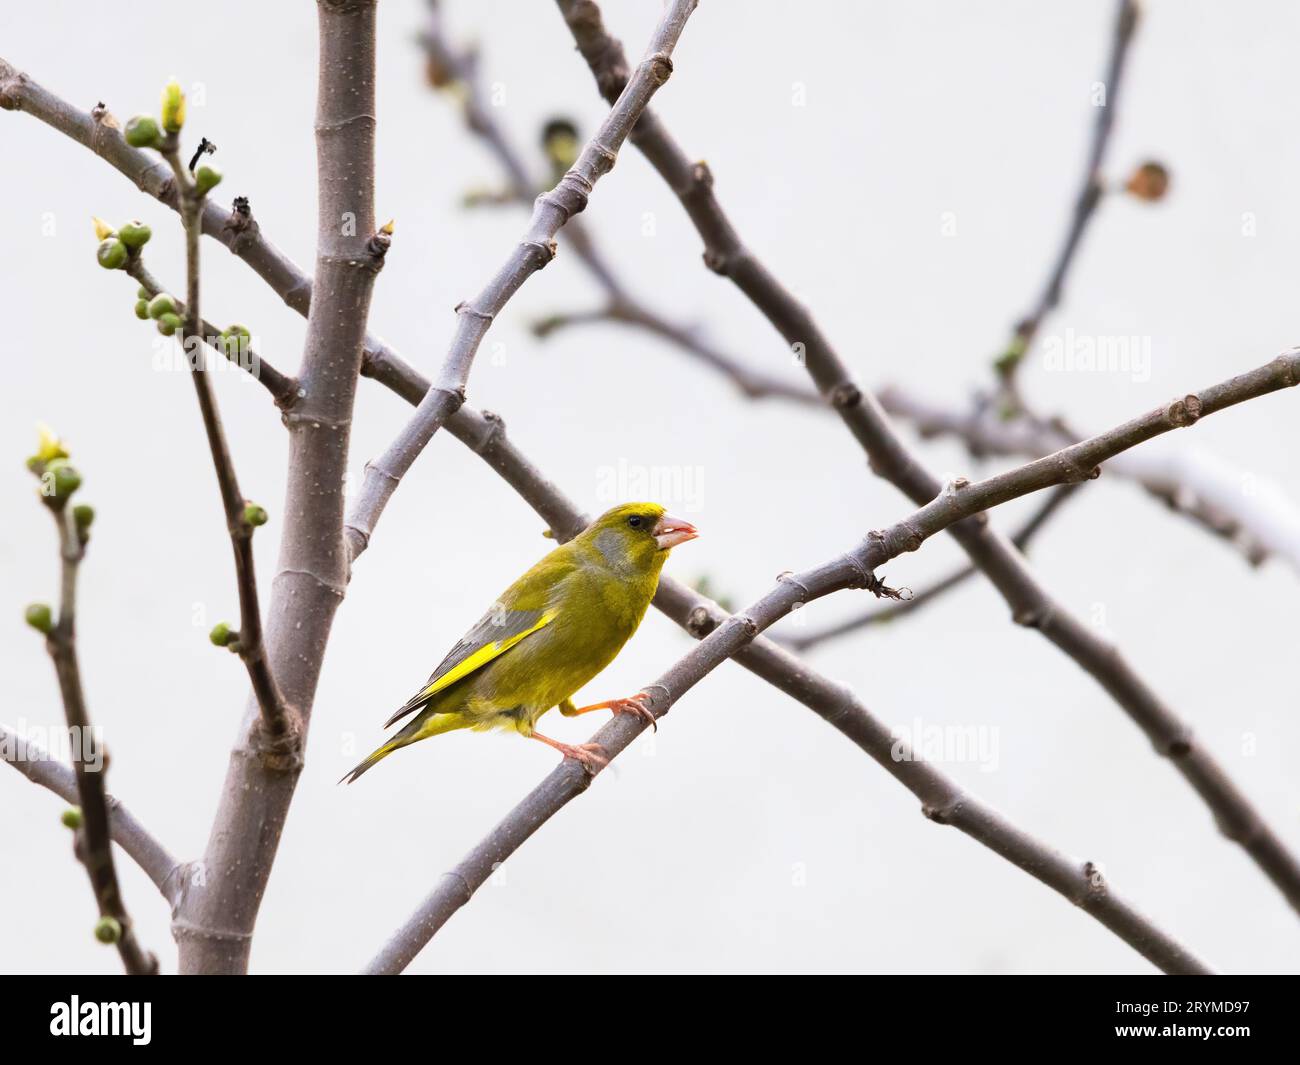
column 1259, row 524
column 249, row 642
column 887, row 612
column 889, row 457
column 1085, row 204
column 128, row 833
column 214, row 925
column 534, row 251
column 94, row 839
column 461, row 66
column 283, row 389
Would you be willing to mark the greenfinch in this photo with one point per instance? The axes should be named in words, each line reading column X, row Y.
column 551, row 631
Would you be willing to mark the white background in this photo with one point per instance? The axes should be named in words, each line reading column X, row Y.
column 747, row 835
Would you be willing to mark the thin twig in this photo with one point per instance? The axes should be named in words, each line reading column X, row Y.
column 1030, row 602
column 888, row 612
column 126, row 831
column 1086, row 201
column 532, row 253
column 250, row 644
column 282, row 388
column 95, row 847
column 461, row 65
column 1207, row 491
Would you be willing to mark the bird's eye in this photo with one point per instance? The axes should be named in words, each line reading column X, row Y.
column 635, row 521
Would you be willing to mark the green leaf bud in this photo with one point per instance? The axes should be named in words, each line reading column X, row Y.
column 135, row 234
column 206, row 178
column 143, row 132
column 60, row 480
column 161, row 304
column 112, row 254
column 173, row 107
column 108, row 930
column 40, row 618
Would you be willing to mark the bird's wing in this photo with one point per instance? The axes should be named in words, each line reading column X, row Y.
column 496, row 632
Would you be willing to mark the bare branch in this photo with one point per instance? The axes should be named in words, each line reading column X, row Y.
column 461, row 66
column 248, row 641
column 891, row 611
column 128, row 833
column 215, row 922
column 534, row 251
column 94, row 838
column 1085, row 204
column 1030, row 602
column 1205, row 489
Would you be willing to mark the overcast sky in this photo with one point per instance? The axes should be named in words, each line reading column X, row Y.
column 907, row 169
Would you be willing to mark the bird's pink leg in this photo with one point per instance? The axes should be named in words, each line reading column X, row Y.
column 591, row 755
column 631, row 705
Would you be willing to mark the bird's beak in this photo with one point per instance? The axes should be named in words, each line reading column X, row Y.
column 670, row 531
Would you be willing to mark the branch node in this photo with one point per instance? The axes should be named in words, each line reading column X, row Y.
column 718, row 261
column 790, row 577
column 877, row 587
column 280, row 752
column 466, row 308
column 660, row 66
column 942, row 814
column 11, row 90
column 1185, row 411
column 845, row 395
column 1097, row 888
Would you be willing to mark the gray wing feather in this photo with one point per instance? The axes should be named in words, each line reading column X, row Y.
column 497, row 624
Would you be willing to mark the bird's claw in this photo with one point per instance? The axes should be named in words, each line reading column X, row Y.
column 591, row 756
column 634, row 706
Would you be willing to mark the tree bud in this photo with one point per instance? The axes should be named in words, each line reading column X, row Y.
column 143, row 132
column 112, row 254
column 173, row 107
column 40, row 618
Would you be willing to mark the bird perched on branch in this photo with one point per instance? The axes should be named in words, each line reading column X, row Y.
column 551, row 631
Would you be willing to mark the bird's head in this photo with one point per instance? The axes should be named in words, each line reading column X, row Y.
column 639, row 534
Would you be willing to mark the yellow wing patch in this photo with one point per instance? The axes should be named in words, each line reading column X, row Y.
column 482, row 657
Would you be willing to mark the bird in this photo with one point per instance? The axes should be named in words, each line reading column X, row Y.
column 546, row 636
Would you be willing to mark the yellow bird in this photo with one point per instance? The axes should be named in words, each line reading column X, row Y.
column 550, row 632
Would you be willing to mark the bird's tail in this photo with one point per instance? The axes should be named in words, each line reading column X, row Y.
column 416, row 730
